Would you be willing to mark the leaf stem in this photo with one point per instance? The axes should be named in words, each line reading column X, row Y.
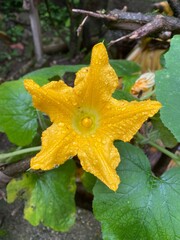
column 145, row 140
column 41, row 120
column 19, row 152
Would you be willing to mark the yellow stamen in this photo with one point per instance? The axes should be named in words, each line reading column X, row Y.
column 86, row 122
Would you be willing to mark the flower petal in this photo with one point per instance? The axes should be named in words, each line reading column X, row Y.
column 95, row 84
column 100, row 158
column 57, row 147
column 122, row 119
column 55, row 98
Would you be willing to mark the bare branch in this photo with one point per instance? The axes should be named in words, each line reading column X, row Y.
column 81, row 26
column 154, row 26
column 141, row 24
column 9, row 171
column 96, row 15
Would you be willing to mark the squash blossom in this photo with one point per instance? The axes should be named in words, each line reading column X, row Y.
column 87, row 119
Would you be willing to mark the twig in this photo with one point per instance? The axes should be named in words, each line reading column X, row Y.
column 9, row 171
column 141, row 24
column 13, row 169
column 96, row 15
column 154, row 26
column 81, row 26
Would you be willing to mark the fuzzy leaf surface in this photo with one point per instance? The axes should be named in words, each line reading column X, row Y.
column 168, row 88
column 144, row 207
column 17, row 115
column 164, row 133
column 124, row 67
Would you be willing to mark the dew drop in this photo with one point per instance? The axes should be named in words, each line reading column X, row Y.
column 104, row 141
column 61, row 124
column 74, row 103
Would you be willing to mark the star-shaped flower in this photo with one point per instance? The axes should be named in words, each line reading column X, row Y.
column 87, row 119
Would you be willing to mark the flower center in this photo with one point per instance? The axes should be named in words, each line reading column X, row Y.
column 86, row 122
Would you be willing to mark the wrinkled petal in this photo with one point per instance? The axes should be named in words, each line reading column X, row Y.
column 57, row 147
column 96, row 84
column 55, row 98
column 121, row 119
column 100, row 158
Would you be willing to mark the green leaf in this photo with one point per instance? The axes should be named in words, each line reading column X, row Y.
column 17, row 115
column 128, row 70
column 165, row 135
column 128, row 82
column 124, row 67
column 46, row 74
column 49, row 196
column 144, row 207
column 168, row 88
column 88, row 180
column 119, row 95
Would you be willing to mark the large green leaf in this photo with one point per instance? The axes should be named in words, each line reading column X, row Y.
column 124, row 67
column 168, row 88
column 163, row 132
column 128, row 70
column 49, row 196
column 49, row 73
column 17, row 115
column 121, row 95
column 144, row 207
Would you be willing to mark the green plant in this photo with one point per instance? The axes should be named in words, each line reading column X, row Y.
column 144, row 205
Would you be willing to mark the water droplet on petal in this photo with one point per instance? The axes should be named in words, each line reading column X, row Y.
column 61, row 124
column 74, row 103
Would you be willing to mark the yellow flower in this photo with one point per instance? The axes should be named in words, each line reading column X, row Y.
column 86, row 119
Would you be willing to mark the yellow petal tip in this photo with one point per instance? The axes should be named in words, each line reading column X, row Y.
column 114, row 186
column 99, row 55
column 29, row 84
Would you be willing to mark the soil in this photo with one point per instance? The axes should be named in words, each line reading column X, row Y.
column 17, row 228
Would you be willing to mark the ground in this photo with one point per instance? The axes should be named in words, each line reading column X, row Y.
column 16, row 228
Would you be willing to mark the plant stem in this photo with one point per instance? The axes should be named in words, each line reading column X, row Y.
column 145, row 140
column 19, row 152
column 41, row 120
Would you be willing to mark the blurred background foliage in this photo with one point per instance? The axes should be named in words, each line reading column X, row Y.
column 59, row 33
